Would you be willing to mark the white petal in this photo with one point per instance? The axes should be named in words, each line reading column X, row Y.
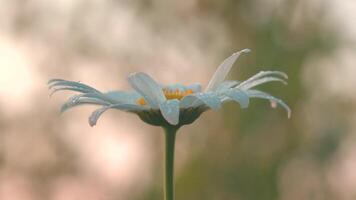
column 96, row 114
column 262, row 74
column 126, row 107
column 239, row 96
column 78, row 100
column 60, row 84
column 260, row 81
column 264, row 95
column 170, row 111
column 189, row 100
column 148, row 88
column 209, row 99
column 227, row 85
column 223, row 69
column 127, row 97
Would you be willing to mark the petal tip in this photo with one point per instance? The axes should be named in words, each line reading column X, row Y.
column 132, row 74
column 246, row 50
column 242, row 51
column 244, row 106
column 173, row 122
column 137, row 74
column 170, row 111
column 92, row 122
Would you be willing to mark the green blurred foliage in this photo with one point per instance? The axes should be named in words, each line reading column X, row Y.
column 244, row 163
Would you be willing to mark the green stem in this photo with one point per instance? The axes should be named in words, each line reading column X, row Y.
column 170, row 135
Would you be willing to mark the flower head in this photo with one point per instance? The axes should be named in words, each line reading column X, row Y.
column 172, row 105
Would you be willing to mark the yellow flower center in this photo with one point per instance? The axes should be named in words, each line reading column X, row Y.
column 170, row 94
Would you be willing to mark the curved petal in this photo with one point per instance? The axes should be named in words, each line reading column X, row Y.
column 170, row 111
column 56, row 89
column 126, row 107
column 239, row 96
column 223, row 69
column 127, row 97
column 71, row 103
column 198, row 99
column 86, row 98
column 260, row 81
column 189, row 100
column 60, row 84
column 264, row 95
column 227, row 85
column 262, row 74
column 148, row 88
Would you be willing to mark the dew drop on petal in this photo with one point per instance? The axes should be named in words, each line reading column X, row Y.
column 273, row 104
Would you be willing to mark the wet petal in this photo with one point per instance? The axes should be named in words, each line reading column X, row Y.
column 128, row 97
column 223, row 69
column 227, row 85
column 93, row 119
column 126, row 107
column 189, row 100
column 73, row 102
column 264, row 95
column 260, row 81
column 86, row 98
column 148, row 88
column 198, row 99
column 239, row 96
column 262, row 74
column 170, row 111
column 56, row 89
column 210, row 99
column 60, row 84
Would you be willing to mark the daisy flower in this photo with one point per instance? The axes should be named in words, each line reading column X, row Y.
column 172, row 106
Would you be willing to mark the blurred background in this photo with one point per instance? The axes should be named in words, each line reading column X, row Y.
column 251, row 154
